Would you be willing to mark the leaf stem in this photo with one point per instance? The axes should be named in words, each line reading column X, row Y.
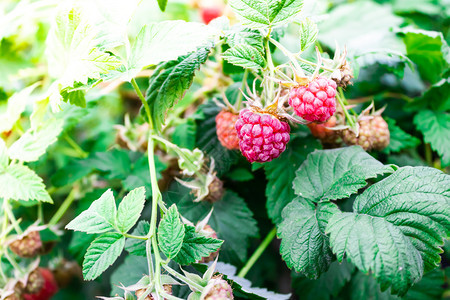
column 63, row 208
column 144, row 102
column 428, row 154
column 270, row 66
column 137, row 237
column 258, row 252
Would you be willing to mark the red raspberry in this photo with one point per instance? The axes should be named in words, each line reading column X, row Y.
column 27, row 246
column 210, row 13
column 262, row 137
column 316, row 101
column 226, row 132
column 218, row 289
column 49, row 288
column 321, row 131
column 373, row 134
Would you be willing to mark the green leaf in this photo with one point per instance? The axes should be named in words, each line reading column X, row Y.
column 3, row 155
column 336, row 174
column 33, row 143
column 417, row 200
column 399, row 139
column 231, row 219
column 165, row 41
column 240, row 174
column 170, row 81
column 101, row 254
column 135, row 246
column 162, row 4
column 130, row 209
column 281, row 173
column 100, row 217
column 195, row 246
column 75, row 94
column 171, row 233
column 265, row 14
column 239, row 35
column 184, row 134
column 428, row 50
column 72, row 51
column 18, row 182
column 375, row 245
column 436, row 97
column 245, row 56
column 128, row 273
column 327, row 286
column 15, row 107
column 308, row 34
column 435, row 127
column 364, row 286
column 79, row 244
column 304, row 245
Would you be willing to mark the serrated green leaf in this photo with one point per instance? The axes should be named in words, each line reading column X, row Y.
column 308, row 34
column 304, row 245
column 195, row 247
column 375, row 245
column 171, row 233
column 231, row 219
column 72, row 51
column 399, row 139
column 33, row 143
column 245, row 56
column 435, row 127
column 428, row 50
column 15, row 107
column 336, row 174
column 417, row 200
column 130, row 209
column 239, row 35
column 18, row 182
column 100, row 217
column 281, row 173
column 265, row 14
column 75, row 94
column 101, row 254
column 170, row 81
column 166, row 41
column 135, row 246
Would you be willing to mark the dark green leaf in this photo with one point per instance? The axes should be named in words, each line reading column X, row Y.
column 135, row 246
column 399, row 139
column 171, row 233
column 170, row 81
column 245, row 56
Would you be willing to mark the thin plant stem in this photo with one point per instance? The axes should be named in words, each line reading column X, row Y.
column 428, row 154
column 137, row 237
column 347, row 115
column 258, row 252
column 10, row 214
column 13, row 262
column 144, row 102
column 270, row 66
column 63, row 208
column 75, row 146
column 40, row 213
column 148, row 249
column 239, row 99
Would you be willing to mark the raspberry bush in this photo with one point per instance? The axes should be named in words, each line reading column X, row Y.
column 247, row 149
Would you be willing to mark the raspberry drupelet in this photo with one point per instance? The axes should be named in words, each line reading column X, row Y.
column 262, row 136
column 316, row 101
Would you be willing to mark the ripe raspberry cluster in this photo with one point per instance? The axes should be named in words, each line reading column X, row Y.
column 262, row 136
column 316, row 101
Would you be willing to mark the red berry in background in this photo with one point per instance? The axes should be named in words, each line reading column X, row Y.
column 316, row 101
column 262, row 136
column 321, row 131
column 209, row 13
column 28, row 245
column 226, row 132
column 49, row 288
